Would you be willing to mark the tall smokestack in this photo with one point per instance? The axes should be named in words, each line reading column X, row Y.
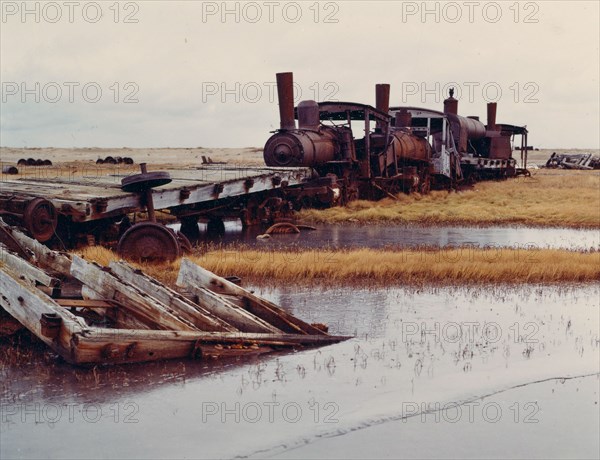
column 382, row 97
column 491, row 116
column 382, row 100
column 285, row 94
column 451, row 104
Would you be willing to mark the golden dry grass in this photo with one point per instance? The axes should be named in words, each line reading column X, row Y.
column 550, row 198
column 369, row 266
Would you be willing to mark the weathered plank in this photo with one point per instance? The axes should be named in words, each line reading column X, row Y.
column 84, row 303
column 122, row 346
column 26, row 304
column 233, row 314
column 110, row 287
column 192, row 275
column 108, row 335
column 45, row 257
column 25, row 269
column 202, row 318
column 122, row 351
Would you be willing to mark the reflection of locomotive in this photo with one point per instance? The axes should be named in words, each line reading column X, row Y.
column 403, row 149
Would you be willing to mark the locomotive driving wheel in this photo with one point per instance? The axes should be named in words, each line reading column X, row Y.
column 149, row 242
column 40, row 219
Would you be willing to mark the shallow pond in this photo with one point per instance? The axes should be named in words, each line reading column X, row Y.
column 422, row 364
column 380, row 235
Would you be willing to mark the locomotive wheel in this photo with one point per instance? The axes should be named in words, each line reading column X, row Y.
column 283, row 227
column 215, row 228
column 425, row 184
column 184, row 243
column 189, row 228
column 40, row 219
column 149, row 241
column 145, row 181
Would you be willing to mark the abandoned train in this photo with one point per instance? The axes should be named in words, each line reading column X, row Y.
column 318, row 163
column 404, row 148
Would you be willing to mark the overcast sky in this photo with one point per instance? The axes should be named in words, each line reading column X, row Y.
column 189, row 74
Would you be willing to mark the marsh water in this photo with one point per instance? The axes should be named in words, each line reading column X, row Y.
column 502, row 371
column 381, row 235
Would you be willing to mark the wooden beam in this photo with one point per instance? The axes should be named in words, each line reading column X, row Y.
column 202, row 318
column 26, row 304
column 233, row 314
column 192, row 275
column 45, row 257
column 25, row 269
column 84, row 303
column 110, row 287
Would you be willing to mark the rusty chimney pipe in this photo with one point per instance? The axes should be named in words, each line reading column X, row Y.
column 403, row 119
column 491, row 116
column 285, row 94
column 451, row 104
column 382, row 97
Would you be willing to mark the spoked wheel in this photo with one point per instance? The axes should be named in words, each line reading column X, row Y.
column 40, row 219
column 149, row 242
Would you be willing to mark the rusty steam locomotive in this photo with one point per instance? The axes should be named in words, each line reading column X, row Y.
column 403, row 148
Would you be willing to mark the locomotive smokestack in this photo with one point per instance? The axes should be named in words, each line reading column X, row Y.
column 285, row 94
column 403, row 119
column 451, row 104
column 382, row 97
column 491, row 116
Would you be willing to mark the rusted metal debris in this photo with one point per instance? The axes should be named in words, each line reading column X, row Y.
column 209, row 161
column 109, row 160
column 33, row 162
column 10, row 170
column 573, row 161
column 121, row 315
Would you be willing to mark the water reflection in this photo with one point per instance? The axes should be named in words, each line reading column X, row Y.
column 411, row 346
column 378, row 236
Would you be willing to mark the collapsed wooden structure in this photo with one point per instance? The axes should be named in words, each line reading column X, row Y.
column 117, row 314
column 584, row 161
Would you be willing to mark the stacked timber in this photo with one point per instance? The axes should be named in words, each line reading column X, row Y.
column 121, row 315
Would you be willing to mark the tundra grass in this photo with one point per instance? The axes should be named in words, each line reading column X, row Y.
column 550, row 198
column 384, row 267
